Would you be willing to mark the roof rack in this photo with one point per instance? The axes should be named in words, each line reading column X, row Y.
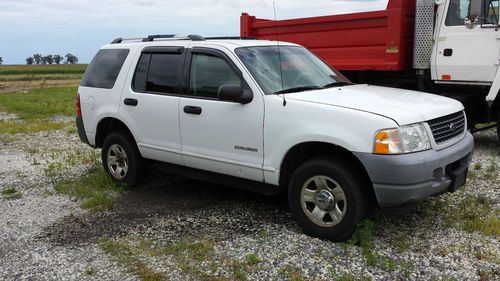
column 149, row 38
column 192, row 37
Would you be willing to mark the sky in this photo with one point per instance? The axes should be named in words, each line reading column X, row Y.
column 82, row 27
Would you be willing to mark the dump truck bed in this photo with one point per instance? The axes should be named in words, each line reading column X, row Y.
column 380, row 40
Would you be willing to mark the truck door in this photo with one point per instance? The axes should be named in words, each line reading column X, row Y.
column 220, row 136
column 462, row 53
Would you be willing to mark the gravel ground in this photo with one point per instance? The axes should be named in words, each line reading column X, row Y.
column 47, row 236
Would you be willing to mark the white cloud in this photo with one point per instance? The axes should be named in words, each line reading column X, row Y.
column 82, row 26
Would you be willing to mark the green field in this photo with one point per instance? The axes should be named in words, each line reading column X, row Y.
column 15, row 78
column 42, row 69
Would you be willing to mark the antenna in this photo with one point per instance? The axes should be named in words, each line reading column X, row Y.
column 279, row 52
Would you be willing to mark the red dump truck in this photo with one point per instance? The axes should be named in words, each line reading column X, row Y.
column 446, row 47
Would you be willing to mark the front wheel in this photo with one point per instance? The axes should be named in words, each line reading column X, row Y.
column 326, row 199
column 121, row 159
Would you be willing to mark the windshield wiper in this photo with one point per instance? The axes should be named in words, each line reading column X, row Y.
column 297, row 89
column 336, row 84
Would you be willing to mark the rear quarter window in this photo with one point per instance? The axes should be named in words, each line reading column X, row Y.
column 104, row 68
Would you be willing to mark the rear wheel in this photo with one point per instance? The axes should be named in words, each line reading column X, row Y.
column 326, row 199
column 121, row 159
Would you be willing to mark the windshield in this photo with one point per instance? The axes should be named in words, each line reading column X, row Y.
column 300, row 70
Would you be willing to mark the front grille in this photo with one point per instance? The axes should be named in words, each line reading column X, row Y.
column 447, row 127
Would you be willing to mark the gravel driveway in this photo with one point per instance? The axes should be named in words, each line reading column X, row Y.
column 179, row 229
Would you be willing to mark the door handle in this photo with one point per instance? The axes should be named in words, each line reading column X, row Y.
column 192, row 109
column 131, row 102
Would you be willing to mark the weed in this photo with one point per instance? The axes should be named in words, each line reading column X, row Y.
column 403, row 244
column 492, row 169
column 25, row 127
column 239, row 271
column 252, row 259
column 11, row 193
column 263, row 233
column 478, row 166
column 362, row 237
column 90, row 271
column 406, row 270
column 126, row 255
column 474, row 214
column 95, row 188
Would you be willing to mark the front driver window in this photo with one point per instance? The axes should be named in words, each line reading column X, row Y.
column 208, row 73
column 457, row 12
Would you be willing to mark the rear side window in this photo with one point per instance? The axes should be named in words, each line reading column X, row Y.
column 104, row 68
column 158, row 72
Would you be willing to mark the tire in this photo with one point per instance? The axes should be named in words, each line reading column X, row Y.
column 128, row 164
column 311, row 203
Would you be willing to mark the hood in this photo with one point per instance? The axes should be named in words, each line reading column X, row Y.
column 403, row 106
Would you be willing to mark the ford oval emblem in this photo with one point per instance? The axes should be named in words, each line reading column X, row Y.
column 453, row 127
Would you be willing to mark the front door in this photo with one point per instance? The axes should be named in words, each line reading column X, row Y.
column 463, row 54
column 220, row 136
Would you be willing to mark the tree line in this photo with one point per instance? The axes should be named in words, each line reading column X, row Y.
column 50, row 59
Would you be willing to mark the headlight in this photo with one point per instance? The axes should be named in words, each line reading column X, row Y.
column 405, row 139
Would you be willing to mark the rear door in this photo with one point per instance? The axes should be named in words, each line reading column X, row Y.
column 151, row 100
column 220, row 136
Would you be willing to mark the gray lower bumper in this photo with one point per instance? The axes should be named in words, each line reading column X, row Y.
column 403, row 179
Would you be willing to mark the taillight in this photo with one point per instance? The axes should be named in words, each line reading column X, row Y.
column 78, row 106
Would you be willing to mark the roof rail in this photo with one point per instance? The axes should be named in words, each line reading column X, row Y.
column 149, row 38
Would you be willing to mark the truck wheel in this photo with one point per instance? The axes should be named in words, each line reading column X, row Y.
column 326, row 199
column 121, row 159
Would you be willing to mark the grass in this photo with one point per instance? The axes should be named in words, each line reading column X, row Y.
column 126, row 255
column 40, row 104
column 11, row 193
column 363, row 238
column 34, row 126
column 36, row 109
column 252, row 259
column 95, row 189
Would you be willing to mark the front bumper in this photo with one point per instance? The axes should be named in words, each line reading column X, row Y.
column 407, row 178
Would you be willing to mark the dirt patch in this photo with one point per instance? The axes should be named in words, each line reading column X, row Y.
column 182, row 208
column 14, row 86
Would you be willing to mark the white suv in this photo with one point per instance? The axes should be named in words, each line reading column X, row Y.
column 268, row 117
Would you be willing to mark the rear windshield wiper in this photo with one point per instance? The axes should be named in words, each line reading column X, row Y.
column 337, row 84
column 297, row 89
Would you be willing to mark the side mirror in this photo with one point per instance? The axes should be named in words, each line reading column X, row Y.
column 234, row 93
column 475, row 11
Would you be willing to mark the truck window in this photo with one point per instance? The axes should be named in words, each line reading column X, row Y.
column 208, row 73
column 104, row 68
column 157, row 73
column 458, row 10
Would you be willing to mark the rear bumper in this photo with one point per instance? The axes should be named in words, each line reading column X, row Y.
column 81, row 130
column 404, row 179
